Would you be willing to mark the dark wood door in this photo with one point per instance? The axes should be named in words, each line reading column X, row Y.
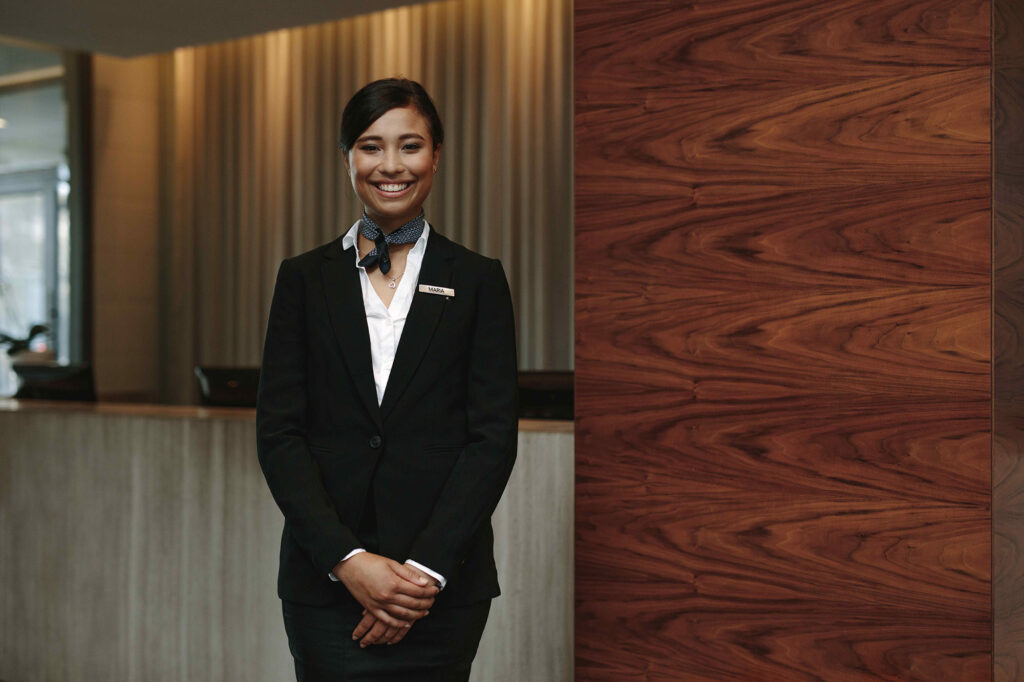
column 783, row 296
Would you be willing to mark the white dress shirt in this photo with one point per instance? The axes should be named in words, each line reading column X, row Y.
column 385, row 324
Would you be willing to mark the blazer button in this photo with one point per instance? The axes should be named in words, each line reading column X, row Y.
column 375, row 442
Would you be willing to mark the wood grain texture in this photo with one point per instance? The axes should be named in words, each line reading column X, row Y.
column 137, row 544
column 1008, row 327
column 783, row 257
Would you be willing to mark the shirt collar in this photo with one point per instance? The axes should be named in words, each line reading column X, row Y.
column 349, row 240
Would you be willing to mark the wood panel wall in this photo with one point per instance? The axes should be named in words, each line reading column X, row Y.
column 1008, row 327
column 783, row 257
column 140, row 544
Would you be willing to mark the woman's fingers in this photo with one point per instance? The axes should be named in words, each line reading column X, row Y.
column 398, row 591
column 364, row 625
column 414, row 583
column 399, row 635
column 396, row 616
column 412, row 575
column 389, row 636
column 404, row 614
column 410, row 590
column 413, row 603
column 387, row 619
column 376, row 634
column 370, row 630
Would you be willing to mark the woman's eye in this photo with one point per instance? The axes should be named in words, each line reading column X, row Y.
column 368, row 147
column 412, row 146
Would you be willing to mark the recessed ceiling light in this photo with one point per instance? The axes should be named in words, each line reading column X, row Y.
column 3, row 122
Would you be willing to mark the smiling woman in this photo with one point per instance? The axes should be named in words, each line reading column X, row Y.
column 391, row 152
column 391, row 135
column 392, row 166
column 273, row 185
column 393, row 505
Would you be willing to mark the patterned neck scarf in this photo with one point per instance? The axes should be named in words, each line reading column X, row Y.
column 379, row 256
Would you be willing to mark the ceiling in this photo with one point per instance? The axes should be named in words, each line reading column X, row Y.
column 128, row 28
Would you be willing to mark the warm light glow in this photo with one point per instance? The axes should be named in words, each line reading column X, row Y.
column 3, row 122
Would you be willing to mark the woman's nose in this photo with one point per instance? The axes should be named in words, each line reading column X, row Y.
column 392, row 162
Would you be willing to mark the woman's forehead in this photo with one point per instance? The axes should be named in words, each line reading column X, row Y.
column 397, row 123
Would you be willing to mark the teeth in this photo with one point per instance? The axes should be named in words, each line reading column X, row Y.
column 393, row 187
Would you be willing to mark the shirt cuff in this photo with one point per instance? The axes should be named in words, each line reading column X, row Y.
column 351, row 554
column 441, row 582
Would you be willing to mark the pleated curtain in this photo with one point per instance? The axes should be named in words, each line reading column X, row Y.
column 255, row 173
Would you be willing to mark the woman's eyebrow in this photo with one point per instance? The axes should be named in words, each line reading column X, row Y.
column 378, row 138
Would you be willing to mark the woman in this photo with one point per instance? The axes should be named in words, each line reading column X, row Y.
column 387, row 418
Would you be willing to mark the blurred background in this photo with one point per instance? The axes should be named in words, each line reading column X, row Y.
column 158, row 161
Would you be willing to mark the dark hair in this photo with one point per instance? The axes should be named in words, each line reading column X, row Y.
column 379, row 97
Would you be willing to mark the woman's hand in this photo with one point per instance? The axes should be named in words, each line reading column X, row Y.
column 372, row 631
column 395, row 595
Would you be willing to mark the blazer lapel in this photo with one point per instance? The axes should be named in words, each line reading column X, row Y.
column 348, row 320
column 424, row 315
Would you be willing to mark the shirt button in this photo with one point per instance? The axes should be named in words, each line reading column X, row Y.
column 375, row 442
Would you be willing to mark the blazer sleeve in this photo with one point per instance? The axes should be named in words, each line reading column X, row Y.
column 480, row 473
column 291, row 472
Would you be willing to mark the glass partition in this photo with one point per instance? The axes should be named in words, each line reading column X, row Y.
column 35, row 308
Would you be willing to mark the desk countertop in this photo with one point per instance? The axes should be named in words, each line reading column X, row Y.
column 197, row 412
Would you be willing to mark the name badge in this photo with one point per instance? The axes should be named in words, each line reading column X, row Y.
column 440, row 291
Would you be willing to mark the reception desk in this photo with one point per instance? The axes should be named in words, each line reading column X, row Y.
column 141, row 543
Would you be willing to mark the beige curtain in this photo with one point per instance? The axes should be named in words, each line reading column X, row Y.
column 257, row 174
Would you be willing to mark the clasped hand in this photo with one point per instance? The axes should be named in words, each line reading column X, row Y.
column 394, row 596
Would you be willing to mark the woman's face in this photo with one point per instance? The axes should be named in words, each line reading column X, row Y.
column 392, row 166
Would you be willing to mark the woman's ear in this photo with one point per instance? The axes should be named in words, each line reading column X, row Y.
column 437, row 156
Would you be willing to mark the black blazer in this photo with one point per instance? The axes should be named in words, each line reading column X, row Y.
column 438, row 450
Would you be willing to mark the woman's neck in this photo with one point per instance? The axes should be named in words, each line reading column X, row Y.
column 365, row 246
column 389, row 225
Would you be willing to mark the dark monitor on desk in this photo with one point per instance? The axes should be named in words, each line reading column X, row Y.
column 228, row 386
column 53, row 381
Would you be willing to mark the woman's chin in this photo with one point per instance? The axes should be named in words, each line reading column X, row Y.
column 393, row 214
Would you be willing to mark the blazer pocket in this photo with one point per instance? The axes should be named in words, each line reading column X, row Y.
column 440, row 457
column 444, row 447
column 329, row 449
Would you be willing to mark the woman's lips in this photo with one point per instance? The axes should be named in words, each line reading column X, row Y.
column 392, row 189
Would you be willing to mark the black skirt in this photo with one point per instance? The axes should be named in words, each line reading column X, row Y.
column 438, row 648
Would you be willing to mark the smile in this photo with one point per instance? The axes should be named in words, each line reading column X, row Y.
column 392, row 187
